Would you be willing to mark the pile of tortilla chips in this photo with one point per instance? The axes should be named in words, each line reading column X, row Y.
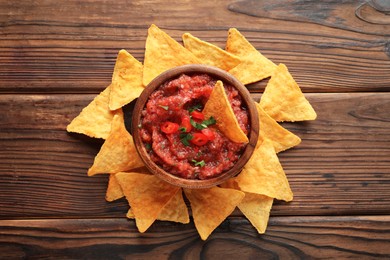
column 261, row 181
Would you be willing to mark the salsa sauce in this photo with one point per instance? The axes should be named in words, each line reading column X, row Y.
column 179, row 139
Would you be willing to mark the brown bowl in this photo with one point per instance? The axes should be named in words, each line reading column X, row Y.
column 216, row 74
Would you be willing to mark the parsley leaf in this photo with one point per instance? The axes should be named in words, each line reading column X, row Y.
column 204, row 124
column 200, row 163
column 164, row 107
column 185, row 138
column 195, row 107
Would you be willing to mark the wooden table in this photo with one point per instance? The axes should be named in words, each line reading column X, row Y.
column 55, row 56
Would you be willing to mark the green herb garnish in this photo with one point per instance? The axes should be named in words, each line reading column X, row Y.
column 185, row 138
column 164, row 107
column 195, row 107
column 204, row 124
column 200, row 163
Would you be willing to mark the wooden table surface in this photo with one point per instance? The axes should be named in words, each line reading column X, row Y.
column 55, row 56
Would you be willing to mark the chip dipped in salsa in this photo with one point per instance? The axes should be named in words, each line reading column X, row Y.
column 178, row 136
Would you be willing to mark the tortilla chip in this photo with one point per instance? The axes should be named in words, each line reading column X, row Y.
column 114, row 190
column 118, row 152
column 212, row 206
column 281, row 138
column 264, row 175
column 147, row 196
column 283, row 100
column 175, row 210
column 95, row 119
column 254, row 66
column 255, row 207
column 218, row 106
column 210, row 54
column 126, row 80
column 162, row 53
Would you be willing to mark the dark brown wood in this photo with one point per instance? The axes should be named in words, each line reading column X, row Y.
column 341, row 167
column 286, row 238
column 73, row 48
column 55, row 56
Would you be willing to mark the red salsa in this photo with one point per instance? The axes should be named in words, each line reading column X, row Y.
column 177, row 135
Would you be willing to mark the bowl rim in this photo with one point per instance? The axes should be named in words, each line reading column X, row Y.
column 218, row 74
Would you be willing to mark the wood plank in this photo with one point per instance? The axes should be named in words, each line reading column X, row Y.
column 44, row 48
column 341, row 167
column 286, row 238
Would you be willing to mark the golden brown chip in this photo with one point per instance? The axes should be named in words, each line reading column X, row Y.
column 162, row 53
column 283, row 100
column 118, row 152
column 212, row 206
column 147, row 196
column 95, row 119
column 281, row 138
column 254, row 66
column 126, row 80
column 210, row 54
column 255, row 207
column 175, row 210
column 218, row 106
column 114, row 190
column 264, row 175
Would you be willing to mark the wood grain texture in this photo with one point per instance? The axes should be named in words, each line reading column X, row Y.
column 286, row 238
column 55, row 56
column 71, row 46
column 341, row 167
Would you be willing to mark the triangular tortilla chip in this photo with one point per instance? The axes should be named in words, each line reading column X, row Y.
column 210, row 54
column 147, row 196
column 255, row 207
column 281, row 138
column 114, row 190
column 283, row 100
column 254, row 66
column 162, row 53
column 126, row 80
column 95, row 119
column 263, row 174
column 118, row 152
column 218, row 106
column 212, row 206
column 175, row 210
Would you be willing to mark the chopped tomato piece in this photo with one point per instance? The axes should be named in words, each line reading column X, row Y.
column 197, row 115
column 209, row 133
column 186, row 123
column 199, row 139
column 169, row 127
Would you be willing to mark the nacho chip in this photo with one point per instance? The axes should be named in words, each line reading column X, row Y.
column 281, row 138
column 126, row 80
column 147, row 196
column 218, row 106
column 255, row 207
column 162, row 53
column 118, row 152
column 95, row 119
column 264, row 175
column 254, row 66
column 175, row 210
column 283, row 100
column 210, row 54
column 212, row 206
column 114, row 190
